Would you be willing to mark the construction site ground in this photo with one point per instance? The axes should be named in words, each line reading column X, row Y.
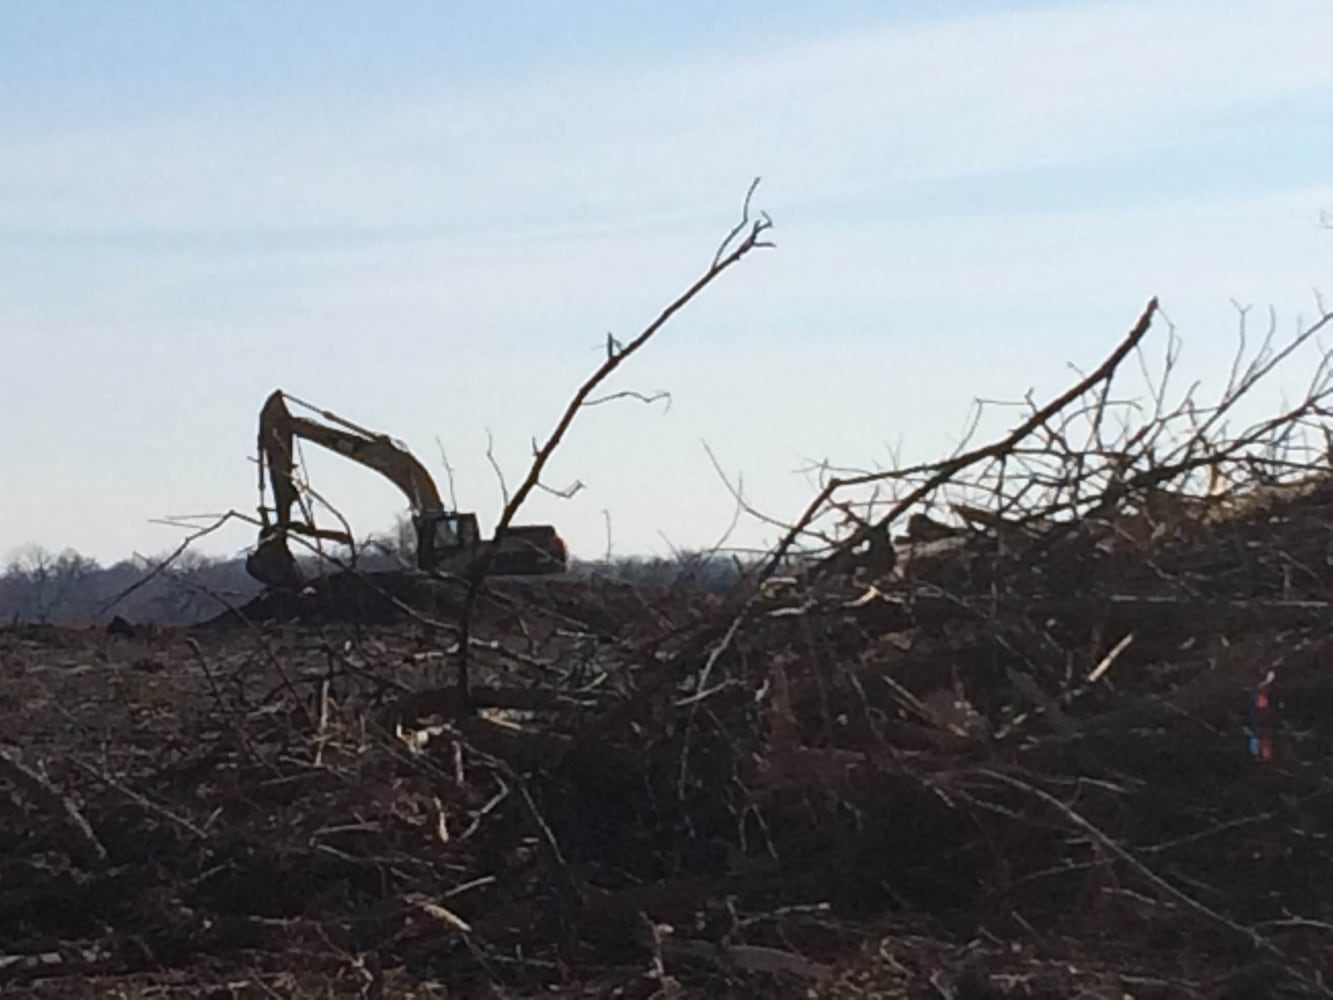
column 1066, row 735
column 846, row 786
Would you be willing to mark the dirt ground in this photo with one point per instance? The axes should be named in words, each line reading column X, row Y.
column 824, row 793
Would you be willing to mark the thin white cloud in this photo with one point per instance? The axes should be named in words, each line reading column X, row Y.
column 959, row 97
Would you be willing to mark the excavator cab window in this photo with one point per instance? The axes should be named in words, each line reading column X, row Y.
column 454, row 530
column 445, row 533
column 442, row 534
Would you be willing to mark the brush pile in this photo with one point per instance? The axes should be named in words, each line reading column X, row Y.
column 1066, row 735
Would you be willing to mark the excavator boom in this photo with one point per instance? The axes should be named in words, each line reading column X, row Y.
column 278, row 428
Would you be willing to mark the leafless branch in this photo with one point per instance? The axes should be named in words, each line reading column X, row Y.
column 569, row 492
column 448, row 474
column 1109, row 845
column 175, row 554
column 944, row 471
column 631, row 394
column 735, row 248
column 495, row 467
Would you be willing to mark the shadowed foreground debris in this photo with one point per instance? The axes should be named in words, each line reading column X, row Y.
column 1074, row 742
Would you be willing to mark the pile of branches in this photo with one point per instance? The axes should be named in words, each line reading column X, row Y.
column 1075, row 717
column 1046, row 718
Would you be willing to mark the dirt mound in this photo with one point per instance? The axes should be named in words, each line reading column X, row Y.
column 599, row 604
column 381, row 598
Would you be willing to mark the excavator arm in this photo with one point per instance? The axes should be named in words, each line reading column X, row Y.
column 272, row 562
column 278, row 428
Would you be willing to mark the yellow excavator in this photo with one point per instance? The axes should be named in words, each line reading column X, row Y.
column 447, row 541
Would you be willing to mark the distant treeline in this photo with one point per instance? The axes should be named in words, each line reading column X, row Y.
column 68, row 588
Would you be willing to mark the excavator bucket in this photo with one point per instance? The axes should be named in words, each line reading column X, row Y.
column 272, row 564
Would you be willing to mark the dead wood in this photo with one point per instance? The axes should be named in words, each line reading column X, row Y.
column 1072, row 739
column 79, row 837
column 746, row 237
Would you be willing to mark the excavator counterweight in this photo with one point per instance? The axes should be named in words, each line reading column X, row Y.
column 446, row 541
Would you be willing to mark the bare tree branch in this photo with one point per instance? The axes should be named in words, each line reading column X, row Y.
column 448, row 474
column 631, row 394
column 495, row 467
column 732, row 250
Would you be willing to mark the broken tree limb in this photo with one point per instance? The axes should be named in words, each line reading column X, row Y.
column 949, row 468
column 729, row 253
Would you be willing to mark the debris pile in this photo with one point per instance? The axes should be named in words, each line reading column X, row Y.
column 1070, row 738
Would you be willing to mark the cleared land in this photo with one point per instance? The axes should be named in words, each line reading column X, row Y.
column 1067, row 737
column 900, row 784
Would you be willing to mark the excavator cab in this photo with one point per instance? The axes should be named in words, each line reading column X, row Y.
column 450, row 540
column 442, row 534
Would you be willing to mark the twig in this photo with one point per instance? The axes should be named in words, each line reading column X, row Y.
column 568, row 493
column 147, row 805
column 176, row 553
column 1110, row 657
column 631, row 394
column 1161, row 884
column 495, row 467
column 737, row 491
column 83, row 844
column 448, row 474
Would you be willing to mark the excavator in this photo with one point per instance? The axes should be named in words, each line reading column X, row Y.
column 447, row 541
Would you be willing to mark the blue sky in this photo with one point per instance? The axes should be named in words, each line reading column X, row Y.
column 426, row 216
